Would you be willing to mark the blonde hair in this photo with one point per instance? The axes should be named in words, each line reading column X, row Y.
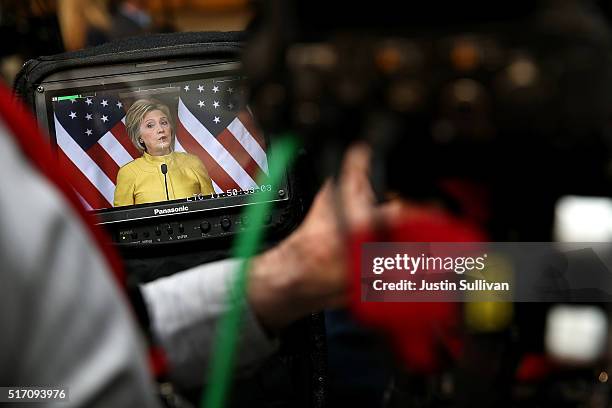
column 135, row 115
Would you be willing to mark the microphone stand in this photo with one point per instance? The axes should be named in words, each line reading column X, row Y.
column 164, row 170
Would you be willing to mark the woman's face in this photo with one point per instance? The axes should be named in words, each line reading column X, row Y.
column 156, row 133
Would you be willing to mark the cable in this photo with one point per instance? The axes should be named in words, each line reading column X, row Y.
column 245, row 247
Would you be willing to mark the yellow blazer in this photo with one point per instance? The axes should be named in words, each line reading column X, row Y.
column 141, row 181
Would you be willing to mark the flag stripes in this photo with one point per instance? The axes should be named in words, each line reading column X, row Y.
column 247, row 121
column 239, row 154
column 120, row 133
column 218, row 175
column 115, row 149
column 215, row 150
column 104, row 161
column 88, row 167
column 82, row 185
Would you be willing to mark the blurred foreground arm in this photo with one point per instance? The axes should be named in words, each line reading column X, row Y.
column 305, row 273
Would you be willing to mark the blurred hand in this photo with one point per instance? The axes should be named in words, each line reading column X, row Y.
column 308, row 270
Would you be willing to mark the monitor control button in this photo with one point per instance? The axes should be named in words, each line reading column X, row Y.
column 226, row 223
column 205, row 226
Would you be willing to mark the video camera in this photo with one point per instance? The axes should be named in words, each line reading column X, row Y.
column 83, row 100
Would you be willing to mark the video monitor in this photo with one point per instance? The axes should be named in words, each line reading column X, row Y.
column 159, row 140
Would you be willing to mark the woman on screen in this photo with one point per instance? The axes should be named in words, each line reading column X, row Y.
column 161, row 173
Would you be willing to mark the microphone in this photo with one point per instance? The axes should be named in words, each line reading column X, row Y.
column 164, row 170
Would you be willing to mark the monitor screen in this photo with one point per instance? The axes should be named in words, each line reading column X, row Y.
column 158, row 142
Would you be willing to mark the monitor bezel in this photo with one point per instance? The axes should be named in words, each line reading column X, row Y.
column 122, row 76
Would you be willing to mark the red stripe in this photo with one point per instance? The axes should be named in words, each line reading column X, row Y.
column 247, row 121
column 233, row 146
column 120, row 133
column 81, row 183
column 104, row 161
column 215, row 171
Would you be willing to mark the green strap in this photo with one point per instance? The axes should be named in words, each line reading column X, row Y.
column 245, row 247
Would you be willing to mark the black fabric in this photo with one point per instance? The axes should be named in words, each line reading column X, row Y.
column 140, row 309
column 135, row 49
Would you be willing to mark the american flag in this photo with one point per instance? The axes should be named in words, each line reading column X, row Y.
column 212, row 123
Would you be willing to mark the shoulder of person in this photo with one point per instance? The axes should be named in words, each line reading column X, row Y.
column 188, row 158
column 134, row 167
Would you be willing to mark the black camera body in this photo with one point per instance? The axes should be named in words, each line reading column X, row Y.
column 81, row 99
column 516, row 96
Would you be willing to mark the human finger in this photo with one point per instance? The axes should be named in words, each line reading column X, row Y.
column 356, row 194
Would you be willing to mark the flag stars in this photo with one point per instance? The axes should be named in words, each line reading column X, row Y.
column 72, row 100
column 230, row 106
column 216, row 119
column 88, row 101
column 104, row 102
column 215, row 89
column 186, row 88
column 216, row 104
column 88, row 132
column 201, row 104
column 72, row 115
column 119, row 105
column 104, row 118
column 230, row 90
column 200, row 88
column 88, row 116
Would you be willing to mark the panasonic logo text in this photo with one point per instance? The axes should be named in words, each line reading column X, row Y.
column 173, row 210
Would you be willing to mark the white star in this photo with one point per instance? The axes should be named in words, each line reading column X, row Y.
column 73, row 100
column 216, row 119
column 201, row 104
column 72, row 115
column 186, row 88
column 215, row 89
column 216, row 104
column 119, row 105
column 230, row 90
column 104, row 102
column 88, row 132
column 88, row 116
column 200, row 88
column 88, row 101
column 230, row 106
column 104, row 118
